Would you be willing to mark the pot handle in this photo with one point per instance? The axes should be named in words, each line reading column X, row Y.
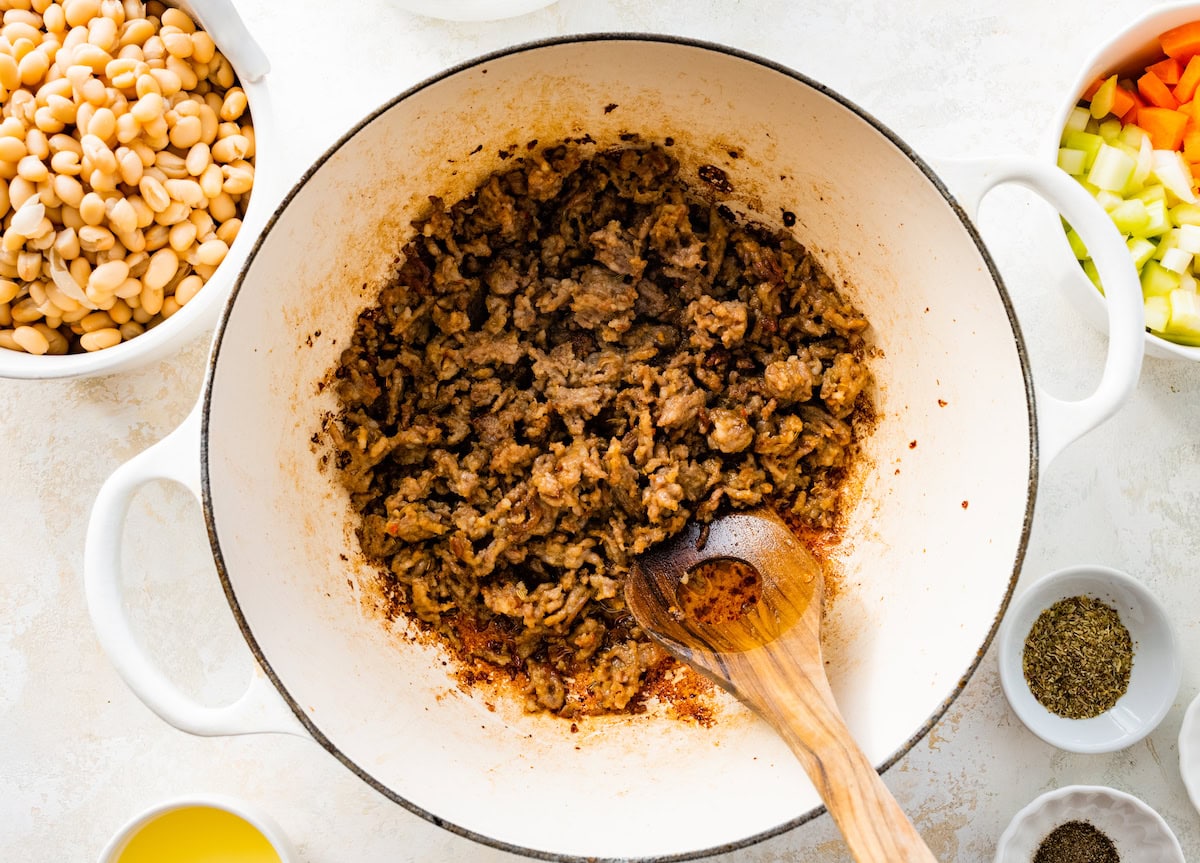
column 1061, row 421
column 260, row 708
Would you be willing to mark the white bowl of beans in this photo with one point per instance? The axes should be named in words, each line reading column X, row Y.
column 127, row 155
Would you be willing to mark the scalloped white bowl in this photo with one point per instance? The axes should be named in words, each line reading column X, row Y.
column 1138, row 832
column 1157, row 667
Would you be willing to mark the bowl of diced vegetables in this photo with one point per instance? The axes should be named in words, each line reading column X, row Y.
column 1130, row 133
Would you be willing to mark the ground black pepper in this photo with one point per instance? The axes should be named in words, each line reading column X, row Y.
column 1076, row 842
column 1078, row 657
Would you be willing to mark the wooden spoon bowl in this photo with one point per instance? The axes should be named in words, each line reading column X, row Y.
column 769, row 656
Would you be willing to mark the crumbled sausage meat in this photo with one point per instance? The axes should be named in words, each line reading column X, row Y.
column 569, row 365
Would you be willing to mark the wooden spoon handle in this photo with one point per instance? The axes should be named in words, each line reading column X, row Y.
column 872, row 822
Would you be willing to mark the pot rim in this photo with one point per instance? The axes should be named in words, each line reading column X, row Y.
column 613, row 36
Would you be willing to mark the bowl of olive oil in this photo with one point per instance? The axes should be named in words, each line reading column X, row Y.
column 200, row 829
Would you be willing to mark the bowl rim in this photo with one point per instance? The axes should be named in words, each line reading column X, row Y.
column 248, row 812
column 1035, row 464
column 1048, row 797
column 1012, row 678
column 1189, row 740
column 1079, row 285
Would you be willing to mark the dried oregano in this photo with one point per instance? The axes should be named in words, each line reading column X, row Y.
column 1078, row 657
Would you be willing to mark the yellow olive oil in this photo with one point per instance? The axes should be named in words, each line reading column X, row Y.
column 198, row 834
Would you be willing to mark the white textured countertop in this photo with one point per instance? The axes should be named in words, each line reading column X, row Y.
column 79, row 754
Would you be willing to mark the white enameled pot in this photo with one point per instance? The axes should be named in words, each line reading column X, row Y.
column 1126, row 52
column 930, row 554
column 271, row 175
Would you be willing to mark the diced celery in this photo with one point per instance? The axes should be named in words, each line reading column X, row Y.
column 1160, row 219
column 1141, row 250
column 1074, row 162
column 1111, row 168
column 1173, row 172
column 1110, row 130
column 1187, row 237
column 1109, row 200
column 1152, row 194
column 1077, row 120
column 1166, row 242
column 1185, row 314
column 1185, row 214
column 1102, row 100
column 1077, row 247
column 1176, row 260
column 1085, row 141
column 1153, row 198
column 1130, row 217
column 1133, row 135
column 1158, row 282
column 1158, row 313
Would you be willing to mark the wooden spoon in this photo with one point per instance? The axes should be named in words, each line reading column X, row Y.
column 770, row 658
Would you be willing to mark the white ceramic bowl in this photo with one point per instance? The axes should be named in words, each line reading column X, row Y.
column 1138, row 832
column 1127, row 51
column 249, row 813
column 1189, row 751
column 1157, row 668
column 222, row 22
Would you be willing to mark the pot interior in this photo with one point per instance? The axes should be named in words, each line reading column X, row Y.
column 930, row 552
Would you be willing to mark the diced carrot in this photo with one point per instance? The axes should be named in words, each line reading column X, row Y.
column 1164, row 126
column 1189, row 108
column 1191, row 143
column 1183, row 42
column 1123, row 102
column 1168, row 71
column 1138, row 104
column 1185, row 90
column 1155, row 92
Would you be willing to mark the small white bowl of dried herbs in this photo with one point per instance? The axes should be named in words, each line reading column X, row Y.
column 1088, row 824
column 1089, row 660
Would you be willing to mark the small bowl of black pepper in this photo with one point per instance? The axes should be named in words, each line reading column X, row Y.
column 1088, row 824
column 1089, row 660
